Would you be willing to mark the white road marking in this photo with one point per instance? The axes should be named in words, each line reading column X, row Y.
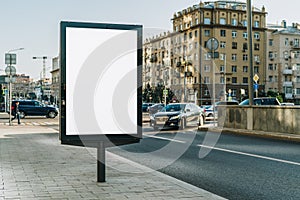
column 252, row 155
column 162, row 138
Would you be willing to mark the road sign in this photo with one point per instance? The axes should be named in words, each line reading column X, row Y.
column 212, row 44
column 255, row 78
column 10, row 58
column 255, row 87
column 10, row 70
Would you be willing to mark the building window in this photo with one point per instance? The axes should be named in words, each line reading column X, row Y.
column 270, row 79
column 207, row 56
column 206, row 92
column 191, row 35
column 256, row 24
column 233, row 68
column 245, row 68
column 222, row 68
column 206, row 79
column 196, row 33
column 256, row 46
column 222, row 21
column 256, row 59
column 245, row 80
column 245, row 35
column 234, row 22
column 234, row 45
column 271, row 56
column 207, row 20
column 270, row 67
column 223, row 33
column 245, row 57
column 196, row 21
column 222, row 80
column 245, row 46
column 286, row 42
column 270, row 42
column 234, row 79
column 207, row 68
column 244, row 22
column 207, row 33
column 234, row 34
column 256, row 35
column 222, row 44
column 233, row 57
column 256, row 69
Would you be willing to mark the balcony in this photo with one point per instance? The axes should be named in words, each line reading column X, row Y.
column 287, row 71
column 288, row 84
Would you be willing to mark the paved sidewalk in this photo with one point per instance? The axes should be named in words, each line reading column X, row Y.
column 34, row 165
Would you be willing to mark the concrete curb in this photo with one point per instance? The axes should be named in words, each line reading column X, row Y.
column 254, row 133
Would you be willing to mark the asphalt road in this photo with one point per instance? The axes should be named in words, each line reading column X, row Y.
column 234, row 167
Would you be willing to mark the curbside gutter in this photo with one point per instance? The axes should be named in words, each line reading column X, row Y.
column 254, row 133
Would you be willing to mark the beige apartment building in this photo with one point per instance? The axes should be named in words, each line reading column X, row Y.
column 283, row 60
column 182, row 61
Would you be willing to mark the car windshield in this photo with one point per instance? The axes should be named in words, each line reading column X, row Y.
column 173, row 108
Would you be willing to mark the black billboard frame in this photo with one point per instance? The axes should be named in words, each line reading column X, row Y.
column 93, row 140
column 100, row 141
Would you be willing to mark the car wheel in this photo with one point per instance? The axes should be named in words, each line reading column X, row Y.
column 22, row 115
column 201, row 121
column 51, row 114
column 182, row 124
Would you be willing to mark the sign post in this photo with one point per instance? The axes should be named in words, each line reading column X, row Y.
column 106, row 113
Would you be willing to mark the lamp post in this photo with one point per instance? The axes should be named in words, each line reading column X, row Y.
column 43, row 76
column 187, row 73
column 10, row 70
column 250, row 45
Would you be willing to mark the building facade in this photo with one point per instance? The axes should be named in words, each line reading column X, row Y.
column 201, row 70
column 283, row 61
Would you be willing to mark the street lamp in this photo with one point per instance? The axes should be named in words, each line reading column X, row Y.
column 187, row 73
column 44, row 58
column 10, row 70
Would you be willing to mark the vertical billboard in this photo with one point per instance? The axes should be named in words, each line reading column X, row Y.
column 101, row 94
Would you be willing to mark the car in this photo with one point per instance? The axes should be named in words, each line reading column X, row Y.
column 178, row 115
column 155, row 108
column 210, row 112
column 262, row 101
column 145, row 106
column 34, row 108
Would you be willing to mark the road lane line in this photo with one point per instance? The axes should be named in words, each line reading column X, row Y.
column 252, row 155
column 162, row 138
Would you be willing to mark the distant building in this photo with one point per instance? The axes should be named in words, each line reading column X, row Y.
column 55, row 74
column 283, row 60
column 182, row 61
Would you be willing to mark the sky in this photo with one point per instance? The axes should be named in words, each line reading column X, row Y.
column 34, row 24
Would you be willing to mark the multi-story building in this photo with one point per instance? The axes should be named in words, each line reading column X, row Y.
column 199, row 72
column 55, row 74
column 283, row 60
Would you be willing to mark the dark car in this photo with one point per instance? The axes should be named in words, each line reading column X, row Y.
column 263, row 101
column 155, row 108
column 145, row 106
column 34, row 108
column 178, row 115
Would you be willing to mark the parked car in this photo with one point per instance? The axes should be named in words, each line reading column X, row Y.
column 155, row 108
column 210, row 112
column 178, row 115
column 145, row 106
column 263, row 101
column 34, row 108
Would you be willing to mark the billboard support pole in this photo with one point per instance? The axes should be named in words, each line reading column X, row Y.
column 101, row 163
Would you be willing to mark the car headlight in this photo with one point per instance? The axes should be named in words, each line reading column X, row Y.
column 175, row 117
